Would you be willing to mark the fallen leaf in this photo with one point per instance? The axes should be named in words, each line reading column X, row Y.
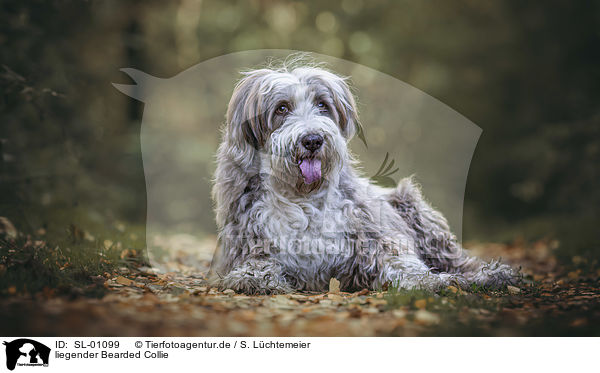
column 421, row 304
column 377, row 301
column 399, row 313
column 175, row 289
column 335, row 297
column 579, row 322
column 513, row 289
column 334, row 286
column 298, row 297
column 362, row 292
column 574, row 274
column 124, row 281
column 200, row 290
column 453, row 289
column 423, row 317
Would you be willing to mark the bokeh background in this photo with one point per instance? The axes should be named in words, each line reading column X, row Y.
column 527, row 73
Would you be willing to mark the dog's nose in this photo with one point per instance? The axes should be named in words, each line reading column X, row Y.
column 312, row 141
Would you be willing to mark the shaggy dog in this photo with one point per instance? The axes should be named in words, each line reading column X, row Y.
column 292, row 211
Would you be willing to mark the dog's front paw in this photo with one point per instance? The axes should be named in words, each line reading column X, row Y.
column 498, row 275
column 429, row 281
column 254, row 285
column 256, row 278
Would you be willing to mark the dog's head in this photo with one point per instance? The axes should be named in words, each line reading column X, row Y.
column 298, row 120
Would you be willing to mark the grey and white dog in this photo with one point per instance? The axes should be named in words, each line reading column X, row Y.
column 293, row 212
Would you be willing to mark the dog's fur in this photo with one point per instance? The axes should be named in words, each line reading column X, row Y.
column 280, row 231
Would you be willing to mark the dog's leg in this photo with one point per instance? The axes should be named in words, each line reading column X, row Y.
column 408, row 271
column 438, row 247
column 256, row 276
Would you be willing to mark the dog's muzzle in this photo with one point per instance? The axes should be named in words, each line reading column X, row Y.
column 310, row 165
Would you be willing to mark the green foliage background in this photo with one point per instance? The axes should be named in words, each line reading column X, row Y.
column 526, row 72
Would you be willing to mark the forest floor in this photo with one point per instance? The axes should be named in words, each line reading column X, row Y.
column 175, row 301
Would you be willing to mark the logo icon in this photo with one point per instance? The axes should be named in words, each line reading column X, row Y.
column 26, row 352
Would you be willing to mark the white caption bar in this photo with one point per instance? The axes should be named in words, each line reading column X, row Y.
column 33, row 354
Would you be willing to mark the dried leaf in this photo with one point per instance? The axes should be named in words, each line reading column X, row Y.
column 362, row 292
column 124, row 281
column 334, row 286
column 7, row 228
column 513, row 289
column 453, row 289
column 335, row 297
column 423, row 317
column 421, row 304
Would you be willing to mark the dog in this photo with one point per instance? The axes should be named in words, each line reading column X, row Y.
column 292, row 210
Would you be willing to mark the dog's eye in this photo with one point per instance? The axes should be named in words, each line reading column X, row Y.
column 322, row 106
column 282, row 109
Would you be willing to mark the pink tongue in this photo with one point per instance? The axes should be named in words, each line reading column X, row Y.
column 311, row 170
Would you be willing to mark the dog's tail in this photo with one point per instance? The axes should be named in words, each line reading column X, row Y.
column 438, row 247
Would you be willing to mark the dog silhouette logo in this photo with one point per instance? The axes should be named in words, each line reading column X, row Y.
column 26, row 352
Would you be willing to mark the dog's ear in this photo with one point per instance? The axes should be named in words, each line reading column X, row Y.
column 345, row 105
column 246, row 118
column 243, row 136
